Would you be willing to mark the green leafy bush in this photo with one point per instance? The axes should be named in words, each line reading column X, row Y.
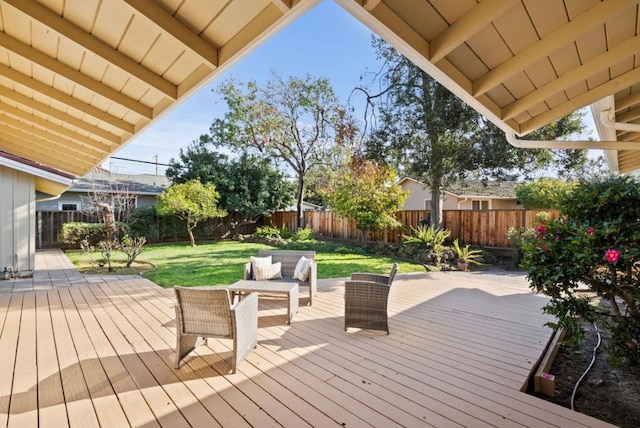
column 267, row 232
column 303, row 234
column 594, row 242
column 427, row 237
column 74, row 233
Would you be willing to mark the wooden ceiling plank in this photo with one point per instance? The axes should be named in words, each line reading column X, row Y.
column 283, row 5
column 369, row 5
column 15, row 127
column 64, row 98
column 94, row 45
column 61, row 130
column 60, row 115
column 628, row 101
column 37, row 57
column 47, row 146
column 55, row 161
column 582, row 24
column 43, row 153
column 180, row 32
column 463, row 29
column 628, row 116
column 595, row 65
column 581, row 100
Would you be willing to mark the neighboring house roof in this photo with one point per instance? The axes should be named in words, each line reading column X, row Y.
column 476, row 188
column 108, row 182
column 492, row 189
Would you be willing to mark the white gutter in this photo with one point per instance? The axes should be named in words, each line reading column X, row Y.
column 560, row 144
column 462, row 201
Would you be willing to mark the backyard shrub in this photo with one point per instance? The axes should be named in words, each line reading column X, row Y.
column 427, row 237
column 267, row 232
column 132, row 247
column 594, row 242
column 74, row 233
column 303, row 234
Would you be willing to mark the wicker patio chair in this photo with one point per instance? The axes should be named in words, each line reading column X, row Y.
column 202, row 313
column 365, row 300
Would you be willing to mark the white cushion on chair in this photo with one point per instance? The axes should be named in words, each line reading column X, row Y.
column 259, row 261
column 264, row 272
column 301, row 271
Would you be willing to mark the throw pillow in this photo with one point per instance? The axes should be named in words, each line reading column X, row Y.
column 264, row 272
column 301, row 271
column 259, row 261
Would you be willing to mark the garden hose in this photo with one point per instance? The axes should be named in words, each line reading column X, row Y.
column 593, row 360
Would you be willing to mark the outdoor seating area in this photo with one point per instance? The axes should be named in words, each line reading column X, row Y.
column 461, row 350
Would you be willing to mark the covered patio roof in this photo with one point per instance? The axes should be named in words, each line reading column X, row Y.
column 78, row 79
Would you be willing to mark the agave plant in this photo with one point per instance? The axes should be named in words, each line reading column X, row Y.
column 427, row 237
column 466, row 254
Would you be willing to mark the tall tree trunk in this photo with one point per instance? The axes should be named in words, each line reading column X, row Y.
column 436, row 206
column 191, row 237
column 109, row 219
column 299, row 201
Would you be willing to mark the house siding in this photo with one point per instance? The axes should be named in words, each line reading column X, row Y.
column 17, row 220
column 417, row 196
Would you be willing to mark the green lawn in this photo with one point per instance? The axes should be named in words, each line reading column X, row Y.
column 220, row 263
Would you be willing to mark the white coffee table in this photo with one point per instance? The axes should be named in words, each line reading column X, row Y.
column 269, row 287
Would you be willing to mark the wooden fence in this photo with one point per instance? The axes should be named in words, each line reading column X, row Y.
column 485, row 228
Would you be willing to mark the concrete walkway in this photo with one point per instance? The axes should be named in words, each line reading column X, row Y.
column 54, row 270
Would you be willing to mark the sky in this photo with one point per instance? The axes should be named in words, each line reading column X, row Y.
column 325, row 42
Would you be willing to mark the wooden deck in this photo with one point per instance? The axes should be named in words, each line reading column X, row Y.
column 99, row 352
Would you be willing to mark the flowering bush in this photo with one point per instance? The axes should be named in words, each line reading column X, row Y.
column 595, row 243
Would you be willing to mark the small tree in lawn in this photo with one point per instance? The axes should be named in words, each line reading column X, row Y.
column 367, row 192
column 192, row 202
column 248, row 186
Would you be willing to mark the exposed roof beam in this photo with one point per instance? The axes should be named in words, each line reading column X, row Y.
column 468, row 25
column 613, row 56
column 17, row 128
column 60, row 130
column 45, row 153
column 628, row 116
column 64, row 98
column 623, row 81
column 176, row 29
column 567, row 33
column 55, row 66
column 283, row 5
column 369, row 5
column 94, row 45
column 49, row 145
column 64, row 117
column 628, row 101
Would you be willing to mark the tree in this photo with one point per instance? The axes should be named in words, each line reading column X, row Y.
column 248, row 186
column 368, row 193
column 427, row 133
column 298, row 122
column 543, row 193
column 192, row 202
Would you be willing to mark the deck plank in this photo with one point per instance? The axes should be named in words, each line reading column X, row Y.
column 51, row 404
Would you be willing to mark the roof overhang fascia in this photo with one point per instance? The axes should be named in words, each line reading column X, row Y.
column 45, row 181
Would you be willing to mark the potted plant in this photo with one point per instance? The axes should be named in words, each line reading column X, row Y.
column 466, row 255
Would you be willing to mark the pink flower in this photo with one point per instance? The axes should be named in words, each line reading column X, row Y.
column 611, row 255
column 591, row 231
column 541, row 229
column 544, row 246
